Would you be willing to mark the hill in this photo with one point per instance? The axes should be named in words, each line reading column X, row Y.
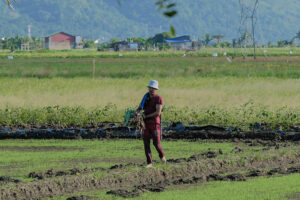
column 277, row 19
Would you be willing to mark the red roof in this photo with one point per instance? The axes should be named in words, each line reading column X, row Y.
column 60, row 37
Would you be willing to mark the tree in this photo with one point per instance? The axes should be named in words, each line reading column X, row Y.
column 114, row 40
column 270, row 44
column 218, row 38
column 207, row 39
column 282, row 43
column 167, row 7
column 225, row 44
column 293, row 43
column 159, row 38
column 244, row 39
column 298, row 35
column 138, row 40
column 89, row 44
column 234, row 43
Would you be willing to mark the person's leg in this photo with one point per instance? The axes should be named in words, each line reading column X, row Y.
column 146, row 138
column 156, row 142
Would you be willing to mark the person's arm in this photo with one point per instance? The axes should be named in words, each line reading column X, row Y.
column 156, row 113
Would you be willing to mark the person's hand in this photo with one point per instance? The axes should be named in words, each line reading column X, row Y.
column 136, row 112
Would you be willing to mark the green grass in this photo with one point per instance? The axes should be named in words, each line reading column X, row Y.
column 105, row 153
column 90, row 153
column 159, row 67
column 204, row 52
column 274, row 188
column 19, row 157
column 195, row 89
column 219, row 101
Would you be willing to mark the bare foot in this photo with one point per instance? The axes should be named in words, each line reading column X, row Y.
column 163, row 160
column 149, row 165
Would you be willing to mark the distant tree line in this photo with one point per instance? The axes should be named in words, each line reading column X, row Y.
column 157, row 41
column 15, row 43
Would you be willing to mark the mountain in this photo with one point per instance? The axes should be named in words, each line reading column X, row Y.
column 277, row 19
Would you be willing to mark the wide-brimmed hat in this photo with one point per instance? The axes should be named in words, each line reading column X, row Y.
column 153, row 84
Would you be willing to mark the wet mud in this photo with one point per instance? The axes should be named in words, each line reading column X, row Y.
column 127, row 183
column 8, row 179
column 194, row 169
column 52, row 173
column 175, row 131
column 82, row 197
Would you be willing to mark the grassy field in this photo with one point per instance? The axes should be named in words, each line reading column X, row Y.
column 195, row 90
column 219, row 101
column 57, row 88
column 204, row 52
column 19, row 157
column 157, row 67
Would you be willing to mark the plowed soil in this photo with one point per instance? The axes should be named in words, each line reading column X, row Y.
column 131, row 179
column 131, row 183
column 111, row 130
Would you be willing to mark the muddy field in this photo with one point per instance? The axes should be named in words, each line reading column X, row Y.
column 175, row 131
column 260, row 154
column 195, row 169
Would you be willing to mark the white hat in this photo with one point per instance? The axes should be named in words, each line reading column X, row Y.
column 153, row 84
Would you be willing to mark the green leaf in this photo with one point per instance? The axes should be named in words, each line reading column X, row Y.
column 171, row 5
column 9, row 2
column 172, row 30
column 170, row 13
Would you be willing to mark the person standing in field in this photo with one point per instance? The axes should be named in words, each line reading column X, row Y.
column 152, row 106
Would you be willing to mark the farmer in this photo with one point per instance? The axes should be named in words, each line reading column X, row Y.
column 152, row 106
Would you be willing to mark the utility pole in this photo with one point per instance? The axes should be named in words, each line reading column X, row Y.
column 249, row 12
column 253, row 23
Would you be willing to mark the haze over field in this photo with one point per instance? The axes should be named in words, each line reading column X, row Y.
column 277, row 19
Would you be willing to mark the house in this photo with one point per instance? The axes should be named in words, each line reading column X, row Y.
column 63, row 40
column 180, row 43
column 125, row 46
